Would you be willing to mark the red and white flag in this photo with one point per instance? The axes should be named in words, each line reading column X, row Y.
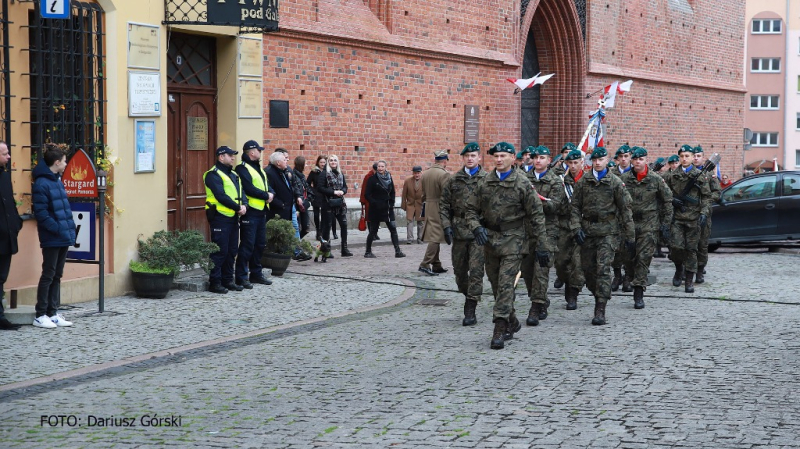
column 595, row 137
column 610, row 92
column 530, row 82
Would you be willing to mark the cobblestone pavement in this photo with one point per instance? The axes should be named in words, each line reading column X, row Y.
column 714, row 369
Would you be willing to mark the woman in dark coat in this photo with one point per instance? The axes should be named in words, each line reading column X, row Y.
column 332, row 186
column 379, row 193
column 316, row 197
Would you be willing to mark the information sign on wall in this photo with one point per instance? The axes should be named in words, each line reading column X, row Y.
column 83, row 214
column 144, row 94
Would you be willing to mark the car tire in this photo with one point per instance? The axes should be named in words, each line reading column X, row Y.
column 713, row 247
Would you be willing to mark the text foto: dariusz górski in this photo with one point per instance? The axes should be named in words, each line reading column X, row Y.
column 146, row 420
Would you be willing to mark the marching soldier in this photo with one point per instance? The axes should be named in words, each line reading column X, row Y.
column 568, row 258
column 527, row 159
column 467, row 255
column 548, row 185
column 691, row 211
column 561, row 168
column 497, row 214
column 705, row 232
column 600, row 206
column 651, row 207
column 623, row 158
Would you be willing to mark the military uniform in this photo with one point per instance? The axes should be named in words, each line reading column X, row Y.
column 705, row 232
column 467, row 256
column 497, row 214
column 536, row 277
column 568, row 257
column 651, row 205
column 687, row 217
column 666, row 175
column 599, row 208
column 619, row 254
column 561, row 168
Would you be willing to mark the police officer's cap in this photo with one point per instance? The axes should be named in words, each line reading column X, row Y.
column 541, row 150
column 226, row 150
column 686, row 148
column 697, row 149
column 470, row 148
column 638, row 152
column 502, row 147
column 673, row 158
column 574, row 155
column 623, row 149
column 599, row 152
column 252, row 145
column 569, row 146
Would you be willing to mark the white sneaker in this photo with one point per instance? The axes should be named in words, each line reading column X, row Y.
column 45, row 322
column 58, row 320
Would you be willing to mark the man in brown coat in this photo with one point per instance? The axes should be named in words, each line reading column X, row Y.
column 433, row 181
column 411, row 202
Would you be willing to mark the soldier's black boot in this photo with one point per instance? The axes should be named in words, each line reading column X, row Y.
column 689, row 282
column 638, row 297
column 617, row 279
column 469, row 313
column 500, row 328
column 626, row 284
column 513, row 327
column 676, row 279
column 698, row 277
column 558, row 283
column 543, row 310
column 533, row 315
column 599, row 313
column 571, row 295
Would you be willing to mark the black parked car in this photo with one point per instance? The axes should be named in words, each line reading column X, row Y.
column 758, row 208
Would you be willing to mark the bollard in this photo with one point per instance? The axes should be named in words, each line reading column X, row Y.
column 12, row 303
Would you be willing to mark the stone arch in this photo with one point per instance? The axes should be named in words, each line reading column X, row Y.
column 553, row 26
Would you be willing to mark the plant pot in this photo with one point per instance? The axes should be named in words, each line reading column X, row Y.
column 152, row 285
column 278, row 263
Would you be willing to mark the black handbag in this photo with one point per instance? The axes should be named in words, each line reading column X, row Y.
column 336, row 202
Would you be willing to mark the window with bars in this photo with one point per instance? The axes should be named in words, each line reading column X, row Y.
column 67, row 78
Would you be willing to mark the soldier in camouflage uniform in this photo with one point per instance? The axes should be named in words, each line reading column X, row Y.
column 600, row 206
column 503, row 204
column 705, row 233
column 568, row 257
column 672, row 164
column 561, row 168
column 623, row 158
column 467, row 255
column 652, row 211
column 548, row 185
column 690, row 215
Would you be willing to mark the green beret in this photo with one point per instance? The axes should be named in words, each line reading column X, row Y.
column 660, row 161
column 612, row 164
column 470, row 148
column 638, row 152
column 528, row 150
column 519, row 155
column 574, row 155
column 673, row 158
column 685, row 148
column 623, row 149
column 599, row 152
column 569, row 146
column 503, row 147
column 541, row 150
column 698, row 149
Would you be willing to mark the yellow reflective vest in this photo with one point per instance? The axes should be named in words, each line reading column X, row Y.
column 260, row 182
column 234, row 191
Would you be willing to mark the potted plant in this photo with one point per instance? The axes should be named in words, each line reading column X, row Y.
column 281, row 242
column 163, row 255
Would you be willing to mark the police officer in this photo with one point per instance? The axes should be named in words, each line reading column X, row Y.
column 548, row 185
column 651, row 207
column 467, row 255
column 705, row 232
column 568, row 258
column 691, row 215
column 254, row 222
column 600, row 206
column 623, row 158
column 225, row 203
column 497, row 214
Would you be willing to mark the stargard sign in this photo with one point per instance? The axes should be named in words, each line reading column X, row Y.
column 80, row 177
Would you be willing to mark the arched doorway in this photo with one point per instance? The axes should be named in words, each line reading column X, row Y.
column 552, row 114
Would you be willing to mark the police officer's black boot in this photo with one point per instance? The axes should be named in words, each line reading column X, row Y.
column 469, row 313
column 599, row 313
column 558, row 283
column 626, row 283
column 638, row 297
column 217, row 288
column 617, row 279
column 533, row 315
column 500, row 328
column 345, row 251
column 689, row 282
column 699, row 278
column 571, row 295
column 676, row 279
column 513, row 327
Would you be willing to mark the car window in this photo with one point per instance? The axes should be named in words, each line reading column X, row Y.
column 751, row 189
column 791, row 184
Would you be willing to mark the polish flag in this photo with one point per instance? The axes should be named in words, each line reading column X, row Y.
column 610, row 92
column 530, row 82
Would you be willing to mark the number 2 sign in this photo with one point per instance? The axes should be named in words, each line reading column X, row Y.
column 55, row 9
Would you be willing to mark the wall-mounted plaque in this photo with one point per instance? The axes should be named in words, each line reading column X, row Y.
column 250, row 57
column 197, row 133
column 145, row 135
column 250, row 99
column 143, row 46
column 472, row 123
column 144, row 94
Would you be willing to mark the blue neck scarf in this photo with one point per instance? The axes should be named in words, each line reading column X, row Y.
column 687, row 170
column 601, row 174
column 474, row 170
column 623, row 170
column 539, row 175
column 503, row 176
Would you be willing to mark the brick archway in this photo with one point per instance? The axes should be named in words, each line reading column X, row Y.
column 555, row 28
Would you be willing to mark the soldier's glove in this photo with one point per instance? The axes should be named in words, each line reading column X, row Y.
column 665, row 233
column 481, row 237
column 448, row 235
column 702, row 221
column 677, row 202
column 543, row 257
column 580, row 237
column 630, row 245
